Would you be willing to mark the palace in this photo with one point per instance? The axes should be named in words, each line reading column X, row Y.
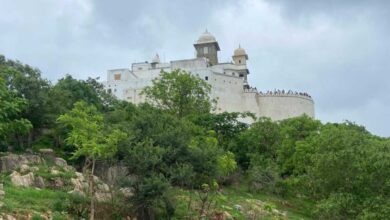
column 229, row 83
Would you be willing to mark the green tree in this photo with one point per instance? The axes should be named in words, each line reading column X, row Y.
column 346, row 169
column 91, row 139
column 180, row 93
column 260, row 140
column 26, row 82
column 10, row 121
column 145, row 162
column 227, row 125
column 292, row 131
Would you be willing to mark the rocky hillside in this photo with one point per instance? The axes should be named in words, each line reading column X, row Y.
column 43, row 186
column 45, row 174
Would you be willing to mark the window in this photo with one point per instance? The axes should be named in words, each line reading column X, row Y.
column 109, row 91
column 205, row 50
column 206, row 78
column 239, row 61
column 117, row 76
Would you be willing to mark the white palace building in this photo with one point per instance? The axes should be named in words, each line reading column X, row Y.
column 228, row 80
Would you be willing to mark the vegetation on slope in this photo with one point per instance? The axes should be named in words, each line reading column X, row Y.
column 183, row 161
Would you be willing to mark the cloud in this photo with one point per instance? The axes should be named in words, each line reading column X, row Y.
column 335, row 50
column 341, row 60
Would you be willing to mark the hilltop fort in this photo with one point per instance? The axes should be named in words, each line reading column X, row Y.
column 229, row 83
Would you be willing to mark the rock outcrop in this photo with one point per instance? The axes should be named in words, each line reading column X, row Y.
column 13, row 162
column 2, row 193
column 22, row 180
column 27, row 172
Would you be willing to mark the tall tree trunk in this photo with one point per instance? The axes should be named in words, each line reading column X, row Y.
column 92, row 189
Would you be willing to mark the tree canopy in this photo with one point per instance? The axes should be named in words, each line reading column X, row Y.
column 180, row 93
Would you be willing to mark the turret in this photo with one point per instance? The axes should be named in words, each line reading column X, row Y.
column 207, row 46
column 240, row 57
column 155, row 61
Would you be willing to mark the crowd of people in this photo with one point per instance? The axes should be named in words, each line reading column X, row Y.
column 283, row 92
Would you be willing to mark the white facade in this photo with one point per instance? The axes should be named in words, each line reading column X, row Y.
column 228, row 82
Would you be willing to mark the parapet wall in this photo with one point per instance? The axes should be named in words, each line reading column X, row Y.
column 282, row 106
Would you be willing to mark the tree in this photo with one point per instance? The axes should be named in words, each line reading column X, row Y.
column 88, row 134
column 260, row 140
column 292, row 131
column 180, row 93
column 226, row 125
column 69, row 90
column 145, row 162
column 26, row 83
column 10, row 108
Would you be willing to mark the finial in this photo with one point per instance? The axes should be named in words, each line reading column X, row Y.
column 239, row 45
column 206, row 31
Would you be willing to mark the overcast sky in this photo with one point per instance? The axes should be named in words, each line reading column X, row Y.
column 336, row 50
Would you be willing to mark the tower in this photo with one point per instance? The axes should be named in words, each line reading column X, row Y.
column 240, row 57
column 155, row 61
column 207, row 46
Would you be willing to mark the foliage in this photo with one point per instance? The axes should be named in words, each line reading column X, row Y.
column 176, row 140
column 144, row 161
column 291, row 131
column 11, row 122
column 180, row 93
column 88, row 135
column 261, row 139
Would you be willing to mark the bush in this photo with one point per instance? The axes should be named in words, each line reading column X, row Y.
column 338, row 206
column 77, row 205
column 263, row 175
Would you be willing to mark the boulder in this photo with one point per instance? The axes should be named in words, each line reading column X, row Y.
column 127, row 192
column 79, row 176
column 60, row 162
column 69, row 168
column 12, row 162
column 78, row 184
column 7, row 217
column 103, row 187
column 58, row 183
column 53, row 171
column 25, row 180
column 103, row 196
column 2, row 193
column 24, row 168
column 39, row 182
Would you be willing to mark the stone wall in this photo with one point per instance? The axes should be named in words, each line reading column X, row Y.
column 279, row 107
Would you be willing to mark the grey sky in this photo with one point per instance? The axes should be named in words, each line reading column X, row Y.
column 338, row 51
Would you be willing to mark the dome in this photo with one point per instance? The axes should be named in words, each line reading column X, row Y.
column 239, row 52
column 206, row 37
column 156, row 59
